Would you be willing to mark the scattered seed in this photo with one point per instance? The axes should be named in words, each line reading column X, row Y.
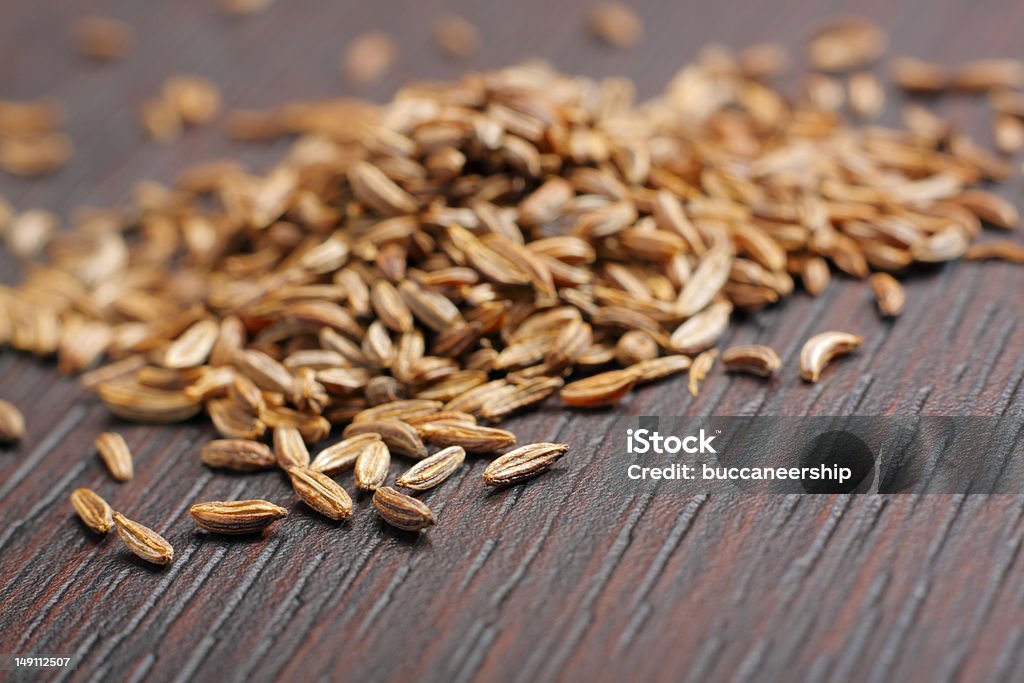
column 431, row 471
column 368, row 57
column 372, row 465
column 94, row 512
column 143, row 541
column 241, row 455
column 616, row 24
column 402, row 511
column 700, row 368
column 12, row 423
column 604, row 389
column 456, row 37
column 845, row 44
column 236, row 517
column 401, row 437
column 755, row 359
column 290, row 448
column 523, row 463
column 103, row 39
column 889, row 294
column 342, row 455
column 320, row 492
column 473, row 438
column 115, row 455
column 820, row 349
column 997, row 249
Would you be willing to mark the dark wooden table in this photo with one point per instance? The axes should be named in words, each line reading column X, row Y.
column 577, row 576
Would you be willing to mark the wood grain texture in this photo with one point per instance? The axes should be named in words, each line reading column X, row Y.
column 575, row 576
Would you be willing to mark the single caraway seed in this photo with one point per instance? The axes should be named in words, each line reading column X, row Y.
column 889, row 294
column 342, row 455
column 241, row 455
column 820, row 349
column 143, row 541
column 997, row 249
column 700, row 368
column 236, row 517
column 115, row 455
column 372, row 465
column 289, row 448
column 400, row 437
column 92, row 510
column 523, row 463
column 402, row 511
column 755, row 359
column 12, row 423
column 473, row 438
column 603, row 389
column 431, row 471
column 321, row 493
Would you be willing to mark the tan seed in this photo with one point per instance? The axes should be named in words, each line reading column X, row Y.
column 143, row 541
column 820, row 349
column 473, row 438
column 241, row 455
column 400, row 437
column 402, row 511
column 368, row 57
column 290, row 448
column 431, row 471
column 523, row 463
column 604, row 389
column 342, row 455
column 320, row 492
column 94, row 512
column 456, row 37
column 700, row 368
column 115, row 455
column 889, row 294
column 755, row 359
column 372, row 466
column 236, row 517
column 845, row 44
column 12, row 423
column 997, row 249
column 616, row 24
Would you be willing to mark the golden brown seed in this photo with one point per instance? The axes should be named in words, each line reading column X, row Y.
column 195, row 99
column 431, row 471
column 133, row 401
column 321, row 493
column 997, row 249
column 399, row 410
column 755, row 359
column 264, row 371
column 115, row 455
column 102, row 38
column 193, row 347
column 402, row 511
column 342, row 455
column 372, row 465
column 616, row 24
column 12, row 423
column 659, row 368
column 241, row 455
column 820, row 349
column 94, row 512
column 290, row 448
column 700, row 368
column 866, row 95
column 523, row 463
column 990, row 208
column 917, row 75
column 143, row 541
column 846, row 43
column 523, row 395
column 456, row 37
column 368, row 57
column 236, row 517
column 400, row 437
column 635, row 346
column 702, row 330
column 888, row 293
column 606, row 388
column 473, row 438
column 989, row 74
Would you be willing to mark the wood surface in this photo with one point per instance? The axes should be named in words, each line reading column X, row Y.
column 579, row 575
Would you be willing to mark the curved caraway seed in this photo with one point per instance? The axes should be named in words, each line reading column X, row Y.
column 143, row 541
column 889, row 294
column 400, row 437
column 402, row 511
column 473, row 438
column 321, row 493
column 820, row 349
column 755, row 359
column 700, row 368
column 523, row 463
column 659, row 368
column 236, row 517
column 431, row 471
column 289, row 448
column 94, row 512
column 12, row 423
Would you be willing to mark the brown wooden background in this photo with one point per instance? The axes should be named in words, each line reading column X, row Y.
column 576, row 576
